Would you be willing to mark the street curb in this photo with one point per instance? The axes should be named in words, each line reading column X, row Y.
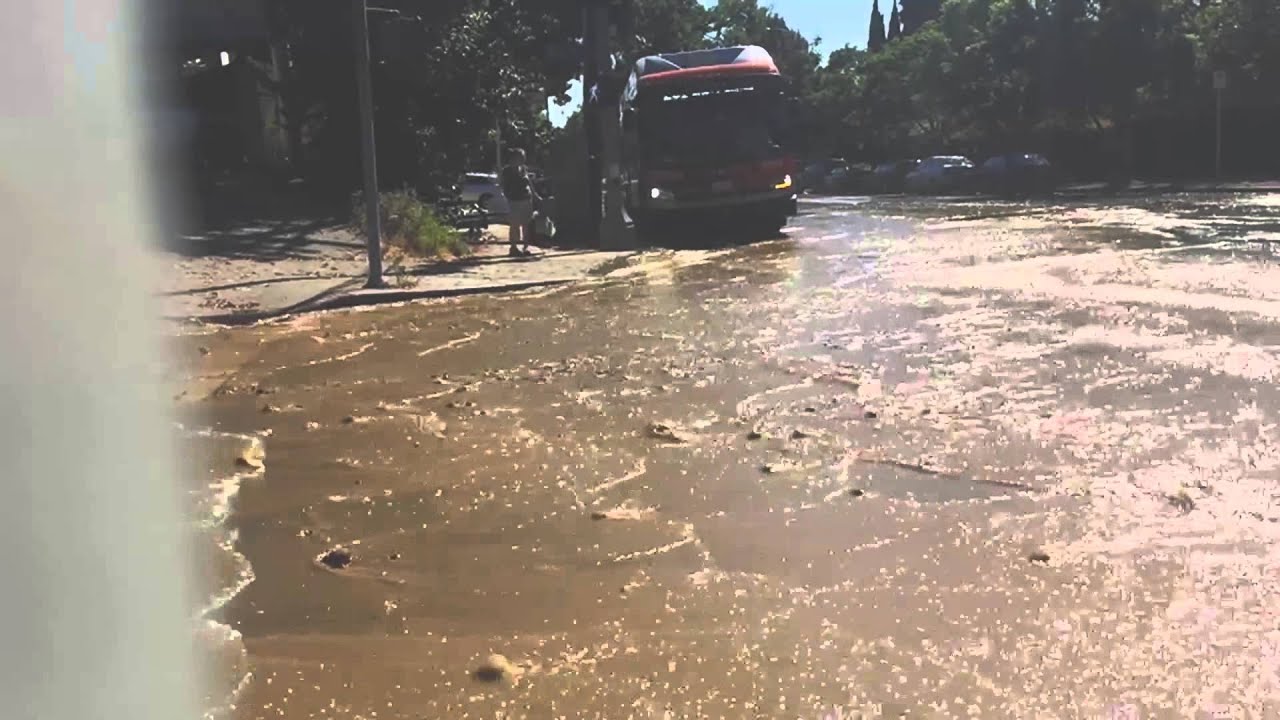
column 332, row 299
column 1065, row 193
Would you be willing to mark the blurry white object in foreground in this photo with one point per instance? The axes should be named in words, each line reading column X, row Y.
column 92, row 612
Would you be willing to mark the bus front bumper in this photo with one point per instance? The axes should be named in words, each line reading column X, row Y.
column 783, row 201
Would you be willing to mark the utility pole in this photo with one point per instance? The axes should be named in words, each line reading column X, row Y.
column 372, row 209
column 1219, row 84
column 613, row 228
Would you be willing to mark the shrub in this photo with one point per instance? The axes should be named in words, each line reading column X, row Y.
column 413, row 226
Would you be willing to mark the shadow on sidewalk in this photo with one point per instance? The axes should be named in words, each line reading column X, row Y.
column 252, row 283
column 264, row 240
column 254, row 218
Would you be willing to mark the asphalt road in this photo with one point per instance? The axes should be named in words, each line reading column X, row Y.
column 924, row 458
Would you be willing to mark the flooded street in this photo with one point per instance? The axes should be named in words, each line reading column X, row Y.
column 918, row 458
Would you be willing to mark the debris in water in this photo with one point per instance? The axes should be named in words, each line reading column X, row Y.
column 497, row 668
column 430, row 424
column 623, row 512
column 856, row 492
column 249, row 462
column 754, row 435
column 870, row 414
column 252, row 455
column 204, row 350
column 777, row 468
column 662, row 431
column 269, row 408
column 313, row 425
column 1039, row 556
column 1182, row 501
column 799, row 434
column 336, row 559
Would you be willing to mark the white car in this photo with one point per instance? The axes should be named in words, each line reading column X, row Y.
column 485, row 190
column 940, row 173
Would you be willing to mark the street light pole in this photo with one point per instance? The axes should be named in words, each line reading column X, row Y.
column 1219, row 84
column 372, row 209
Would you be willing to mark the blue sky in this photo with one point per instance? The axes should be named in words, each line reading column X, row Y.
column 837, row 22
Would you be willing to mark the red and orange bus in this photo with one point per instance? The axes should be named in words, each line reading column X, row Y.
column 703, row 135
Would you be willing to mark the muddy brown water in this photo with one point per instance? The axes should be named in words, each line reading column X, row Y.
column 762, row 482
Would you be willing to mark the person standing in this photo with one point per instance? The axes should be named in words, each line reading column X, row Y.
column 520, row 196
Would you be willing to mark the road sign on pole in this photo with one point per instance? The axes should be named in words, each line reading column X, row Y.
column 1219, row 84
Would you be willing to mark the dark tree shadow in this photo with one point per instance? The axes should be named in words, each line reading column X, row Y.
column 256, row 218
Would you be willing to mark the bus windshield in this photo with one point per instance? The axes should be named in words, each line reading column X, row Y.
column 711, row 125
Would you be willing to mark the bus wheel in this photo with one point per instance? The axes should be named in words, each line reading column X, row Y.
column 776, row 225
column 647, row 230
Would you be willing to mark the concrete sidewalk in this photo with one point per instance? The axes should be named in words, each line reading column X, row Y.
column 326, row 268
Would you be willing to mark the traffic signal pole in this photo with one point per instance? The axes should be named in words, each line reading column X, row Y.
column 595, row 45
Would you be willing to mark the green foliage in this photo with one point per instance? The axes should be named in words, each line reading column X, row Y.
column 1093, row 81
column 413, row 226
column 662, row 26
column 446, row 75
column 915, row 13
column 1106, row 84
column 1243, row 37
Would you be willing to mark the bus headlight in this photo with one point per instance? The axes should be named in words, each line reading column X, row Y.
column 786, row 183
column 660, row 194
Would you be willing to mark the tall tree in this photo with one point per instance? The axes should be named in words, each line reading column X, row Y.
column 745, row 22
column 661, row 26
column 1242, row 37
column 915, row 13
column 444, row 74
column 895, row 24
column 875, row 33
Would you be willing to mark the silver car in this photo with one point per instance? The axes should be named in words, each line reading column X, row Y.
column 940, row 173
column 485, row 190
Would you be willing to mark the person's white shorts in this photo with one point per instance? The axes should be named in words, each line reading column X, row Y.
column 521, row 213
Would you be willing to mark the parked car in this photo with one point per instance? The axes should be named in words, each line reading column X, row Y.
column 890, row 177
column 847, row 179
column 486, row 190
column 1017, row 174
column 941, row 173
column 814, row 175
